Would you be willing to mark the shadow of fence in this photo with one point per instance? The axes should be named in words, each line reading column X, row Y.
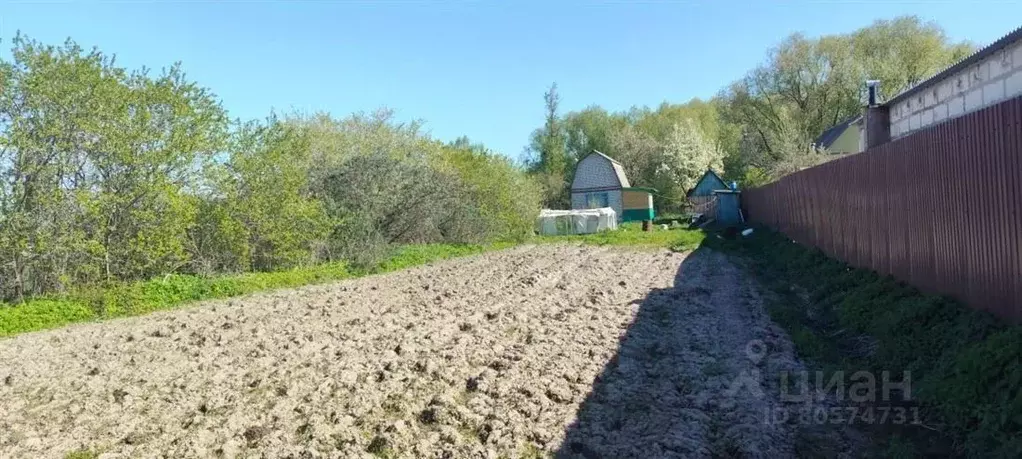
column 686, row 378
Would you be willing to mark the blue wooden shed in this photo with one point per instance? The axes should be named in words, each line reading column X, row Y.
column 706, row 185
column 728, row 207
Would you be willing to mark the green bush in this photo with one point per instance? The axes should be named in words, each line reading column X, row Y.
column 965, row 364
column 42, row 313
column 165, row 184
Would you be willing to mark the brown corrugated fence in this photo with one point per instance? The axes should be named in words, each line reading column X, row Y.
column 940, row 209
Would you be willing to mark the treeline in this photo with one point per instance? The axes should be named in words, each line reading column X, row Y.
column 755, row 129
column 112, row 175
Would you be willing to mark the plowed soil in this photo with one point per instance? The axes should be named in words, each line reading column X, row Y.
column 566, row 350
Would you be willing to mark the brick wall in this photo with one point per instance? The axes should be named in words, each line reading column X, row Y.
column 996, row 78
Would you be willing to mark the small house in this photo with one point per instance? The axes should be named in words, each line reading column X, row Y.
column 600, row 181
column 712, row 197
column 842, row 138
column 702, row 193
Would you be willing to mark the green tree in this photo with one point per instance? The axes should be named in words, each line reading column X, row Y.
column 591, row 128
column 503, row 196
column 808, row 85
column 548, row 143
column 261, row 214
column 96, row 166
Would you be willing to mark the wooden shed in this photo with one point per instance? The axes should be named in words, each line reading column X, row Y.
column 707, row 184
column 727, row 209
column 701, row 198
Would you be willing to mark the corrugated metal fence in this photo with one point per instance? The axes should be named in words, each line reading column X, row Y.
column 940, row 209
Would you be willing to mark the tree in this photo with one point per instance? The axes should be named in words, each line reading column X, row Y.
column 591, row 128
column 113, row 175
column 808, row 85
column 261, row 214
column 96, row 167
column 671, row 165
column 551, row 166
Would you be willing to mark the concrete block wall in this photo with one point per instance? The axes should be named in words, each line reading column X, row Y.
column 995, row 78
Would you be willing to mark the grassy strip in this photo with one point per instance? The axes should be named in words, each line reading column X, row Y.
column 965, row 364
column 130, row 299
column 631, row 234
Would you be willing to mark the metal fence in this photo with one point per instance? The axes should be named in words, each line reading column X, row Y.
column 940, row 209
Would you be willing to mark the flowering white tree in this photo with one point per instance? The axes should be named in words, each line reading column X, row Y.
column 672, row 165
column 687, row 154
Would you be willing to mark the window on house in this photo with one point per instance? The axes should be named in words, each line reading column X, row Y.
column 595, row 200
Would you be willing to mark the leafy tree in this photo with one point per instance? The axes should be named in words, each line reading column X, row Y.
column 261, row 214
column 108, row 175
column 505, row 198
column 808, row 85
column 551, row 166
column 672, row 165
column 590, row 129
column 96, row 165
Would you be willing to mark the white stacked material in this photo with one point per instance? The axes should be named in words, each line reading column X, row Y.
column 578, row 221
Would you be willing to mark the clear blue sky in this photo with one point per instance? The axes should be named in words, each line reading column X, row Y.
column 466, row 68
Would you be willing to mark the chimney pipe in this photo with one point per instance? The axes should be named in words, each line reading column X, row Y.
column 873, row 87
column 877, row 117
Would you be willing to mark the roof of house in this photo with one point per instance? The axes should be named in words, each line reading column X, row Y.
column 831, row 135
column 597, row 152
column 619, row 170
column 1006, row 40
column 708, row 173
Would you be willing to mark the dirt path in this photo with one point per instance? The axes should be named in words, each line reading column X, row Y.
column 577, row 351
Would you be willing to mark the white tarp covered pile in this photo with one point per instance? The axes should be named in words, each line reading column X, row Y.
column 579, row 221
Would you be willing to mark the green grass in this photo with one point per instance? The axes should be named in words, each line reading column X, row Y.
column 130, row 299
column 631, row 234
column 81, row 454
column 965, row 364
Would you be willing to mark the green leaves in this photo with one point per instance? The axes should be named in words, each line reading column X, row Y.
column 110, row 175
column 807, row 85
column 99, row 163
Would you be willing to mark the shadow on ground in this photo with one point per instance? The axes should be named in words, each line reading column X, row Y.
column 690, row 376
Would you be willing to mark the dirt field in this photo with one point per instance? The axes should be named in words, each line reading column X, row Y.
column 574, row 351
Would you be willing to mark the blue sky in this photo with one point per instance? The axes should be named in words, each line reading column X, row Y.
column 466, row 68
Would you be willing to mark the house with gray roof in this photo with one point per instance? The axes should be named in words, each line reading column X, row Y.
column 842, row 138
column 599, row 182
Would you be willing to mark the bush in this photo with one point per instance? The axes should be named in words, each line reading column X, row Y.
column 147, row 178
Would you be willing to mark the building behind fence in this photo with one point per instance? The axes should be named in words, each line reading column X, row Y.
column 940, row 208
